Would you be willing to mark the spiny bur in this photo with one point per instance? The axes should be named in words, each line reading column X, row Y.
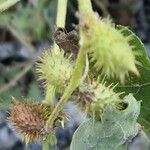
column 30, row 119
column 94, row 97
column 54, row 69
column 109, row 49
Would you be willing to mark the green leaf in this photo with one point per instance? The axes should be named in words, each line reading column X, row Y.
column 139, row 86
column 5, row 4
column 115, row 129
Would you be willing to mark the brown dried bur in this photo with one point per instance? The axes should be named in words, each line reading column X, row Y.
column 30, row 119
column 68, row 41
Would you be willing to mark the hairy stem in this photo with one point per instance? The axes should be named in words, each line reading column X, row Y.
column 74, row 82
column 84, row 7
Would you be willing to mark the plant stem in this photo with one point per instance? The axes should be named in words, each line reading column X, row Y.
column 45, row 146
column 61, row 13
column 50, row 93
column 80, row 63
column 60, row 18
column 60, row 21
column 86, row 70
column 85, row 6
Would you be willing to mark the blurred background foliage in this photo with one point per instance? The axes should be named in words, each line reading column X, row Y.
column 30, row 22
column 29, row 19
column 27, row 28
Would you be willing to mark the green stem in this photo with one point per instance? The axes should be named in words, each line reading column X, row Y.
column 50, row 93
column 45, row 146
column 85, row 6
column 60, row 21
column 74, row 82
column 61, row 13
column 60, row 18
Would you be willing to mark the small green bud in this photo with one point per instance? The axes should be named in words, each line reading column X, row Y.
column 55, row 70
column 94, row 97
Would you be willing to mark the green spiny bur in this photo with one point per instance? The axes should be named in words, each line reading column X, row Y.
column 55, row 70
column 109, row 49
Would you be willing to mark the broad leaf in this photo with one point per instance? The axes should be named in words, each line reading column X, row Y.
column 139, row 86
column 115, row 129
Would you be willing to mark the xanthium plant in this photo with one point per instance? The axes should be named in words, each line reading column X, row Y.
column 101, row 44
